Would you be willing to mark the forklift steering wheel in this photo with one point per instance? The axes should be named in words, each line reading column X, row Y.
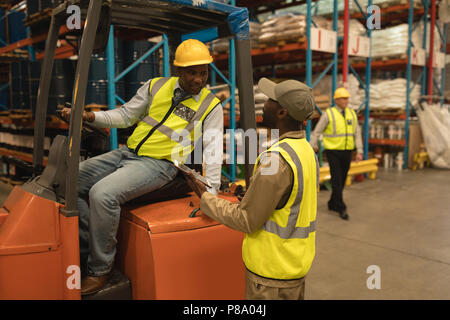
column 86, row 127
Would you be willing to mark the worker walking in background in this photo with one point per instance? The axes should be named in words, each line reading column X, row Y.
column 341, row 134
column 278, row 212
column 167, row 112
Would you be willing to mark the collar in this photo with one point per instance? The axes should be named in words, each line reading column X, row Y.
column 294, row 135
column 339, row 108
column 196, row 97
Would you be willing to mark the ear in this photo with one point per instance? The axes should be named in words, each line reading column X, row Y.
column 282, row 113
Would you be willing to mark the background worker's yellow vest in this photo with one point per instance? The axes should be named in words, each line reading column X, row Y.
column 169, row 134
column 284, row 247
column 340, row 133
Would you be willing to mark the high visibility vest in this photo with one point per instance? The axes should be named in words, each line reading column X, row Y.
column 170, row 132
column 340, row 133
column 284, row 247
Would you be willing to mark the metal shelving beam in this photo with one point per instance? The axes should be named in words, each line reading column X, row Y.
column 367, row 100
column 113, row 78
column 408, row 81
column 431, row 56
column 333, row 65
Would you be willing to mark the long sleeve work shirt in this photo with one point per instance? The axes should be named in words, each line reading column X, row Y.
column 323, row 123
column 135, row 109
column 265, row 194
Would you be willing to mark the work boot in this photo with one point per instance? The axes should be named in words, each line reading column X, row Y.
column 91, row 284
column 343, row 214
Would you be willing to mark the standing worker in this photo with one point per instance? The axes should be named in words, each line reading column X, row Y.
column 167, row 112
column 278, row 212
column 341, row 133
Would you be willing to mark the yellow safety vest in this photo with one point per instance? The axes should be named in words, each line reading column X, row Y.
column 340, row 133
column 170, row 132
column 284, row 247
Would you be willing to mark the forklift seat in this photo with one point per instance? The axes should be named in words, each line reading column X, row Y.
column 175, row 189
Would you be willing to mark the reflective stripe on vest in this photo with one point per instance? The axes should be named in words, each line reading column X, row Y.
column 167, row 131
column 173, row 135
column 284, row 247
column 342, row 136
column 158, row 85
column 291, row 231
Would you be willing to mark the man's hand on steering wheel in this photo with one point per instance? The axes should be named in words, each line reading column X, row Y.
column 88, row 116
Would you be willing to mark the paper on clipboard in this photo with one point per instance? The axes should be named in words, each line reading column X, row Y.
column 186, row 169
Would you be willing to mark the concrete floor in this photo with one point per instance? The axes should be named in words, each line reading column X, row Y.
column 399, row 222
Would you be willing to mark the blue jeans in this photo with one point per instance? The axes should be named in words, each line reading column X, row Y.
column 107, row 181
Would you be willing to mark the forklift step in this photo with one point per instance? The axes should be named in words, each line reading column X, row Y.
column 118, row 287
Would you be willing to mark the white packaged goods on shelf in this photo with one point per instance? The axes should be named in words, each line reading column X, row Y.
column 260, row 97
column 391, row 94
column 394, row 40
column 283, row 27
column 435, row 125
column 355, row 27
column 325, row 7
column 357, row 95
column 444, row 11
column 222, row 45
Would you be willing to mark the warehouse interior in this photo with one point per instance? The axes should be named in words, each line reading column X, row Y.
column 390, row 55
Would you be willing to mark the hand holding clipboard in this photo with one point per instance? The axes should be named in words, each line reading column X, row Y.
column 197, row 182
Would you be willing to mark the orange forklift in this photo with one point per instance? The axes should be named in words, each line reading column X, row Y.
column 166, row 248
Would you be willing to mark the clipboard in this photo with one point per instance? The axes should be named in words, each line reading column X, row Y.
column 186, row 169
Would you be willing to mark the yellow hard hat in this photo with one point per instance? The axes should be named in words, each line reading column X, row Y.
column 341, row 93
column 192, row 52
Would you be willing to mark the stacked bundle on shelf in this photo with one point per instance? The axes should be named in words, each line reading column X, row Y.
column 260, row 99
column 322, row 100
column 357, row 95
column 224, row 95
column 391, row 94
column 287, row 27
column 355, row 28
column 324, row 88
column 325, row 7
column 394, row 41
column 222, row 45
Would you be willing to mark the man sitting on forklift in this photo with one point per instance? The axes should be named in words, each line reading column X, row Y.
column 167, row 112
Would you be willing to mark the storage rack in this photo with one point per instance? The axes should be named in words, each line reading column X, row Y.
column 296, row 51
column 397, row 12
column 202, row 21
column 409, row 13
column 116, row 75
column 293, row 52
